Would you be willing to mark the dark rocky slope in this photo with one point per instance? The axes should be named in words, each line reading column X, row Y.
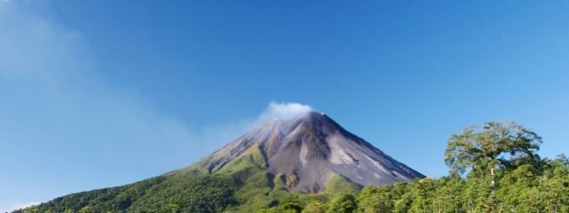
column 312, row 149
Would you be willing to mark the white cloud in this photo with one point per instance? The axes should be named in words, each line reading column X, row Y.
column 286, row 111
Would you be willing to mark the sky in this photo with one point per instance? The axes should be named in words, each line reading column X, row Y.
column 104, row 93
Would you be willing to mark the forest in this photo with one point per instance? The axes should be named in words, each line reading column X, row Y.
column 494, row 167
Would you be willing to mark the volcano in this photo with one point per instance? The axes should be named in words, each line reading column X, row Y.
column 312, row 149
column 300, row 155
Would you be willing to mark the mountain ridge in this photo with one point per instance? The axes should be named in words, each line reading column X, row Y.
column 312, row 147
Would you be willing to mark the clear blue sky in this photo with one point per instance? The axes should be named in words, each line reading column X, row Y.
column 104, row 93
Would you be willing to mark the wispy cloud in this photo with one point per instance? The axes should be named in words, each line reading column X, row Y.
column 286, row 110
column 51, row 88
column 61, row 119
column 58, row 114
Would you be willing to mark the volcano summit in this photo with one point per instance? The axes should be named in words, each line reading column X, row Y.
column 313, row 149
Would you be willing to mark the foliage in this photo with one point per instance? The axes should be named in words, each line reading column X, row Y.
column 182, row 193
column 342, row 203
column 338, row 184
column 493, row 145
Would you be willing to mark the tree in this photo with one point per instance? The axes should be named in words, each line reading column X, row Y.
column 342, row 203
column 375, row 199
column 494, row 145
column 315, row 207
column 173, row 206
column 422, row 191
column 86, row 209
column 484, row 150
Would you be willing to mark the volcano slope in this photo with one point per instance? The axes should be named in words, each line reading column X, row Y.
column 310, row 149
column 308, row 155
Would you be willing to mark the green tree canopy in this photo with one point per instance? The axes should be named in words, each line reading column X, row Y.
column 342, row 203
column 482, row 149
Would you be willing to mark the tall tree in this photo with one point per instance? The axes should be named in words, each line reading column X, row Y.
column 483, row 149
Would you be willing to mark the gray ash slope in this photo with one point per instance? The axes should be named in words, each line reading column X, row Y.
column 314, row 148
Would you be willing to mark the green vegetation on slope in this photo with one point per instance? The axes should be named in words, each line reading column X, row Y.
column 494, row 168
column 338, row 184
column 160, row 194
